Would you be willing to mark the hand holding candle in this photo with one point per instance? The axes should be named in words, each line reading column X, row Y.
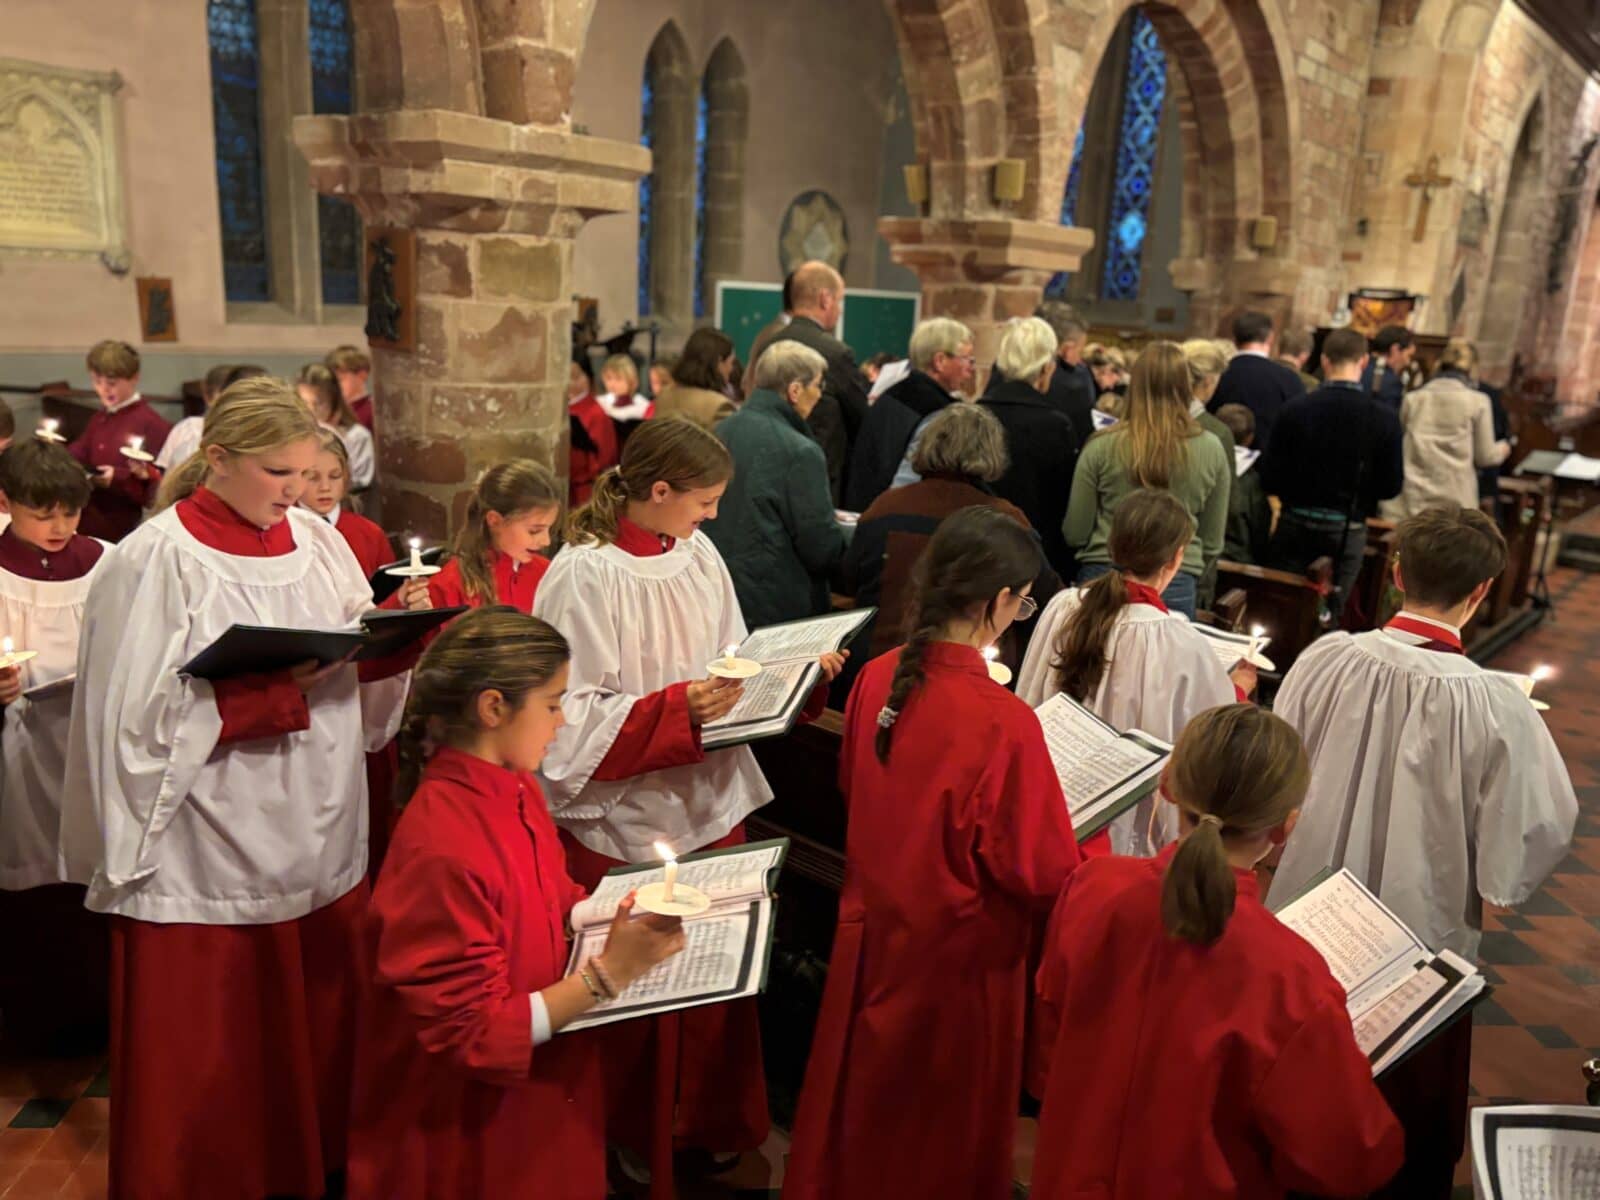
column 136, row 451
column 731, row 666
column 669, row 898
column 416, row 554
column 11, row 657
column 415, row 568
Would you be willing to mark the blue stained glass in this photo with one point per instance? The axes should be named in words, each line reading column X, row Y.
column 1069, row 207
column 236, row 115
column 647, row 116
column 700, row 205
column 1142, row 96
column 338, row 225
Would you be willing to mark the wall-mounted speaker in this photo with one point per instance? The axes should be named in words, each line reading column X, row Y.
column 1264, row 233
column 916, row 184
column 1010, row 174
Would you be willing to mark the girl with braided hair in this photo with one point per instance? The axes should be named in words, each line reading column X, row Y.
column 460, row 1090
column 959, row 837
column 1168, row 978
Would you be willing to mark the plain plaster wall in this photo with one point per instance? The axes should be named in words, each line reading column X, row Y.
column 819, row 105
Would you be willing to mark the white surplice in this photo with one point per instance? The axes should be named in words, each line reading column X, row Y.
column 43, row 616
column 1159, row 674
column 1435, row 782
column 161, row 822
column 358, row 448
column 636, row 626
column 182, row 441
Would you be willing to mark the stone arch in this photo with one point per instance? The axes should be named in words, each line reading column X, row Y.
column 726, row 90
column 1509, row 297
column 670, row 127
column 417, row 56
column 1579, row 373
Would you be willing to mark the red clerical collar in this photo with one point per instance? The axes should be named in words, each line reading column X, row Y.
column 1432, row 635
column 210, row 520
column 30, row 562
column 639, row 541
column 1139, row 593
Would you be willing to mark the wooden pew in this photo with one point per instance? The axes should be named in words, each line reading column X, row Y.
column 1511, row 608
column 1369, row 603
column 1288, row 606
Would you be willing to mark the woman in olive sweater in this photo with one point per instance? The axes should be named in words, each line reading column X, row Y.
column 1159, row 445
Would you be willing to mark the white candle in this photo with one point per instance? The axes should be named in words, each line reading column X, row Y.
column 416, row 554
column 1542, row 671
column 727, row 656
column 136, row 444
column 7, row 647
column 50, row 427
column 671, row 870
column 1255, row 640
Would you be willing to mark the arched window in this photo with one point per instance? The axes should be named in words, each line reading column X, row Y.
column 666, row 198
column 1069, row 207
column 700, row 201
column 236, row 112
column 338, row 225
column 1142, row 97
column 724, row 121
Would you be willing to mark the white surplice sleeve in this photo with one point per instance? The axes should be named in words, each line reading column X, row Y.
column 363, row 461
column 573, row 597
column 1036, row 678
column 1528, row 808
column 140, row 732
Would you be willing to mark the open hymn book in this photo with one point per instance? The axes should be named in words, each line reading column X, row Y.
column 1399, row 991
column 1230, row 648
column 1103, row 772
column 1536, row 1152
column 788, row 654
column 728, row 944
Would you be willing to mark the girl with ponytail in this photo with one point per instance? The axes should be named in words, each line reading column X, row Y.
column 1168, row 977
column 959, row 840
column 646, row 601
column 1114, row 646
column 223, row 824
column 455, row 1065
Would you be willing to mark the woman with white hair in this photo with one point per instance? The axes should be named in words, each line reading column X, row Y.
column 1039, row 436
column 941, row 366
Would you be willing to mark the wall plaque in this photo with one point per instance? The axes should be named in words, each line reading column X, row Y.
column 60, row 168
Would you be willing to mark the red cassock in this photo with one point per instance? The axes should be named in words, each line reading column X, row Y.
column 452, row 1099
column 367, row 539
column 586, row 465
column 114, row 512
column 513, row 584
column 361, row 409
column 954, row 848
column 1173, row 1069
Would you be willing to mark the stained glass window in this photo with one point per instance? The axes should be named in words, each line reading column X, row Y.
column 1069, row 208
column 338, row 225
column 236, row 114
column 700, row 202
column 1142, row 95
column 647, row 116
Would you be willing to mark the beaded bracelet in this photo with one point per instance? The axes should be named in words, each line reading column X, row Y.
column 595, row 993
column 606, row 982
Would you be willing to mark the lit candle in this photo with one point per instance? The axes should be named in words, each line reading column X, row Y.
column 416, row 554
column 7, row 646
column 727, row 657
column 671, row 870
column 136, row 444
column 1255, row 640
column 47, row 430
column 1542, row 671
column 998, row 671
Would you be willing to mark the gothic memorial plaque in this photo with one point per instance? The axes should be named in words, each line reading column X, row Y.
column 60, row 175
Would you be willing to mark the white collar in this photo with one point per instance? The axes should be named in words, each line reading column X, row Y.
column 1196, row 408
column 1252, row 354
column 332, row 515
column 128, row 403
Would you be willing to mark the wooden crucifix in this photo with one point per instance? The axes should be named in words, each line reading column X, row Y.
column 1426, row 180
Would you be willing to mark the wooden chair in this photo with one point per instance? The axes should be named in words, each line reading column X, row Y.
column 1288, row 607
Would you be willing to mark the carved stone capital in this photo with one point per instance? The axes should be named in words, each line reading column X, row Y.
column 437, row 169
column 992, row 251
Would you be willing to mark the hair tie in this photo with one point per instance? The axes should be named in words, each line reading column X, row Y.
column 887, row 717
column 1210, row 819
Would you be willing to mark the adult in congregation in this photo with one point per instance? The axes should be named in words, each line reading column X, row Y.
column 775, row 527
column 700, row 380
column 1449, row 436
column 961, row 453
column 1072, row 387
column 1393, row 348
column 941, row 364
column 765, row 335
column 1039, row 436
column 816, row 301
column 1207, row 359
column 1294, row 352
column 1254, row 379
column 1335, row 455
column 1158, row 445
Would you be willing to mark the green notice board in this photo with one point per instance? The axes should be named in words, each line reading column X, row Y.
column 873, row 322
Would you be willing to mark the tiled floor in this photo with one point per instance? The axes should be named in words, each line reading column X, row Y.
column 1529, row 1042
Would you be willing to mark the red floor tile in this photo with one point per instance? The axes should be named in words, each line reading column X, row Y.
column 40, row 1181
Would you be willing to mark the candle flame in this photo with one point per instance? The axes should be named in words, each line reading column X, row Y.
column 6, row 645
column 1257, row 630
column 136, row 442
column 991, row 653
column 416, row 543
column 665, row 852
column 729, row 651
column 1542, row 671
column 51, row 424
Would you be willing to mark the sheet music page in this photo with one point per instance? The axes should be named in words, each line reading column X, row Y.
column 1374, row 1025
column 1229, row 647
column 1243, row 459
column 1579, row 467
column 1536, row 1152
column 1368, row 950
column 766, row 695
column 1089, row 758
column 801, row 639
column 722, row 877
column 1102, row 420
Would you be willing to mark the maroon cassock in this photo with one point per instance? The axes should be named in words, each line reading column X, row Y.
column 452, row 1098
column 1167, row 1068
column 115, row 511
column 955, row 846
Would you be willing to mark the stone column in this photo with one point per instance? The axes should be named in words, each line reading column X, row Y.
column 983, row 272
column 495, row 207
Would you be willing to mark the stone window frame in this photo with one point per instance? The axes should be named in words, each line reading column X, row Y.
column 294, row 257
column 725, row 86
